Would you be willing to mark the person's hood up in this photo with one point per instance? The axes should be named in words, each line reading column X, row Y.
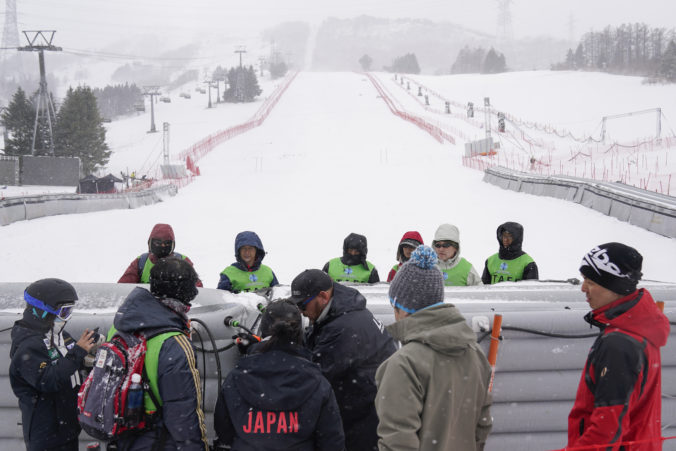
column 355, row 241
column 440, row 327
column 514, row 249
column 636, row 313
column 448, row 232
column 412, row 238
column 248, row 238
column 22, row 330
column 268, row 382
column 141, row 311
column 162, row 232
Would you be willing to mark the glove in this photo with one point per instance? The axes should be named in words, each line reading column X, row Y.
column 244, row 340
column 90, row 358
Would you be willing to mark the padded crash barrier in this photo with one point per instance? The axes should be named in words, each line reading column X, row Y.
column 543, row 347
column 30, row 207
column 651, row 211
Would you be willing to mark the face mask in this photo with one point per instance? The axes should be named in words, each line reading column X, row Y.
column 59, row 324
column 161, row 248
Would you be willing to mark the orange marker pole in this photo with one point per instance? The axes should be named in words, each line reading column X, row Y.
column 660, row 305
column 493, row 349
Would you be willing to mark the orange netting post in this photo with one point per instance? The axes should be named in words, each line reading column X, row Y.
column 493, row 349
column 660, row 305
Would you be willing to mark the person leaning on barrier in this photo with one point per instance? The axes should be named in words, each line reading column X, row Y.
column 46, row 363
column 432, row 392
column 248, row 273
column 352, row 266
column 275, row 397
column 455, row 269
column 510, row 264
column 161, row 243
column 161, row 315
column 348, row 343
column 619, row 395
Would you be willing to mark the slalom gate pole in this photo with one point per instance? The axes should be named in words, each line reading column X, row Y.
column 493, row 349
column 660, row 305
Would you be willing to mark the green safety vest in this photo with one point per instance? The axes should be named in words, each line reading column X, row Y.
column 249, row 280
column 145, row 274
column 507, row 270
column 341, row 272
column 151, row 363
column 457, row 275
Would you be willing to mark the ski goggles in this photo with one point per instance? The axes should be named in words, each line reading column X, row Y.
column 63, row 312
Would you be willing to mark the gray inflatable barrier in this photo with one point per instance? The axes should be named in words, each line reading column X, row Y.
column 536, row 374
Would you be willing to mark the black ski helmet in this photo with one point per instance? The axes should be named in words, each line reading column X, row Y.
column 52, row 293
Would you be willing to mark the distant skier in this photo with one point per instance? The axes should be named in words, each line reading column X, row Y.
column 352, row 266
column 161, row 243
column 248, row 273
column 456, row 270
column 407, row 245
column 510, row 264
column 45, row 366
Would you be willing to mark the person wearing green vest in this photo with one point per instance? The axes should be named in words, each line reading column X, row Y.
column 161, row 315
column 352, row 266
column 248, row 273
column 456, row 270
column 510, row 264
column 161, row 243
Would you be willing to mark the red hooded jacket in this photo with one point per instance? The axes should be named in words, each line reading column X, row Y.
column 415, row 236
column 133, row 273
column 619, row 395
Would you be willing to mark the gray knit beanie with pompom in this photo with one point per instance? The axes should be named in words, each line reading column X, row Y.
column 418, row 284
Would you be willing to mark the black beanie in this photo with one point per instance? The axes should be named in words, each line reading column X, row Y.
column 175, row 278
column 614, row 266
column 53, row 292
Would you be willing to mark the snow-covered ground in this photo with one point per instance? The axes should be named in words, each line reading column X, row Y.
column 331, row 159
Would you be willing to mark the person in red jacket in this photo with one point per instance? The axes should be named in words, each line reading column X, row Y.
column 161, row 243
column 408, row 243
column 619, row 396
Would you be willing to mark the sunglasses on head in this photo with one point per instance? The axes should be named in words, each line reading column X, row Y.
column 444, row 245
column 63, row 311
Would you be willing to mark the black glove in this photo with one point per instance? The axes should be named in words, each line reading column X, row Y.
column 244, row 340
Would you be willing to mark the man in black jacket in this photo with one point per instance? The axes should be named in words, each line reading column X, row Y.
column 45, row 367
column 349, row 344
column 161, row 315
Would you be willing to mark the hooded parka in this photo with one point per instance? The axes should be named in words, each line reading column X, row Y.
column 352, row 268
column 239, row 277
column 433, row 392
column 413, row 239
column 510, row 264
column 181, row 425
column 278, row 400
column 138, row 270
column 456, row 270
column 619, row 394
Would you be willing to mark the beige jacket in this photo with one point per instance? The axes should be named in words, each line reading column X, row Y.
column 433, row 392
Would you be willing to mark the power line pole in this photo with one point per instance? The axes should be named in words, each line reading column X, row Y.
column 10, row 37
column 209, row 85
column 39, row 41
column 152, row 91
column 240, row 49
column 505, row 34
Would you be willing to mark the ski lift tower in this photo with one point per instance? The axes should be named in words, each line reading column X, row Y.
column 152, row 91
column 39, row 41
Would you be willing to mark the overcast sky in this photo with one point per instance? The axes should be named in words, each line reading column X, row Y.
column 86, row 24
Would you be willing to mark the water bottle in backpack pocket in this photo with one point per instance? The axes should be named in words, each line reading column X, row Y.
column 111, row 400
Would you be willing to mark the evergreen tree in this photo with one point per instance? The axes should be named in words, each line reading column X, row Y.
column 494, row 63
column 667, row 68
column 18, row 120
column 242, row 85
column 79, row 130
column 578, row 57
column 468, row 61
column 365, row 62
column 278, row 69
column 407, row 64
